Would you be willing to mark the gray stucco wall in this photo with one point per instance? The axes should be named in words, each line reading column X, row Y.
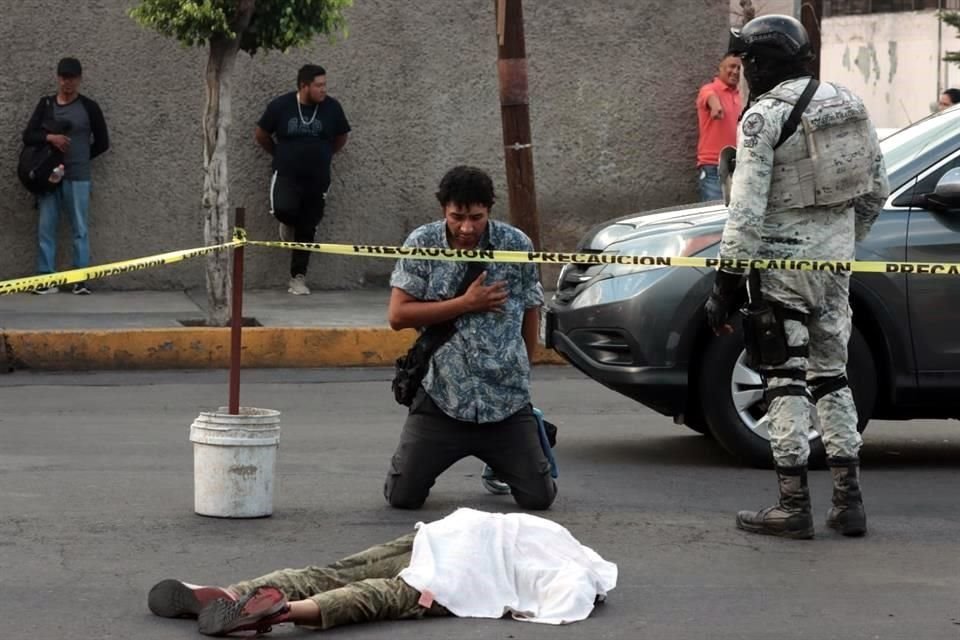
column 612, row 84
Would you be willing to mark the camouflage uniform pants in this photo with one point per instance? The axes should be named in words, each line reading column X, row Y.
column 358, row 588
column 825, row 297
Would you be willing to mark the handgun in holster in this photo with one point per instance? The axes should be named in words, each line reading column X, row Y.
column 764, row 335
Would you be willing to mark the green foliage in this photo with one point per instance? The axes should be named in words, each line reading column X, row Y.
column 951, row 18
column 275, row 25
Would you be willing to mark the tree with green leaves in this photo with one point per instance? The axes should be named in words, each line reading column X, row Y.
column 951, row 18
column 226, row 27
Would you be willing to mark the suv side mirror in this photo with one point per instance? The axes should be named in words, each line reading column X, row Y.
column 946, row 195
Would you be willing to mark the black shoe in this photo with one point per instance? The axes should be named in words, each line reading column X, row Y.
column 80, row 289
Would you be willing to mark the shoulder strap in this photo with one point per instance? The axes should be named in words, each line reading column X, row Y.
column 790, row 126
column 436, row 335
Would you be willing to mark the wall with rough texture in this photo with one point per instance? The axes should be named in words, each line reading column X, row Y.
column 612, row 84
column 891, row 60
column 764, row 7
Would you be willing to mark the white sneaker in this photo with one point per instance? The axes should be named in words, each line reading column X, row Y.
column 286, row 233
column 42, row 291
column 298, row 286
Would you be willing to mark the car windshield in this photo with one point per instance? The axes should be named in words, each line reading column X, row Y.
column 905, row 145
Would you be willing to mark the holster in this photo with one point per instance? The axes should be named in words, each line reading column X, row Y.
column 727, row 164
column 764, row 336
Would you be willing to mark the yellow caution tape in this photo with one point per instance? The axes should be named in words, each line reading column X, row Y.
column 554, row 257
column 31, row 283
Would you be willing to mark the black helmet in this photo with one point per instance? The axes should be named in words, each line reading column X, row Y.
column 772, row 36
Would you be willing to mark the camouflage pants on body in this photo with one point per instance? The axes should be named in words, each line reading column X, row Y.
column 825, row 297
column 359, row 588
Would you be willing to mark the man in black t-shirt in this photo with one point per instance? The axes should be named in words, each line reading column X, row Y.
column 301, row 130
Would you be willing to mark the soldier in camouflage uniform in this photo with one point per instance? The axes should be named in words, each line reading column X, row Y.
column 359, row 588
column 809, row 194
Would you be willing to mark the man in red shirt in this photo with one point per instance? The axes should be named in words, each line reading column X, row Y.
column 718, row 111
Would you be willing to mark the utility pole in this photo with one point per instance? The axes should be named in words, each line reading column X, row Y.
column 811, row 15
column 515, row 115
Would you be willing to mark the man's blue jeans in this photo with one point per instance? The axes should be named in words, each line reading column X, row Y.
column 709, row 179
column 73, row 198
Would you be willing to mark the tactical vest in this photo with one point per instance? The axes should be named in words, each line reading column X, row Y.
column 829, row 160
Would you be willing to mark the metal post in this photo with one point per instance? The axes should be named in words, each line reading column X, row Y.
column 515, row 116
column 236, row 318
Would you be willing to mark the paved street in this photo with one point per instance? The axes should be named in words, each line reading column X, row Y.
column 96, row 482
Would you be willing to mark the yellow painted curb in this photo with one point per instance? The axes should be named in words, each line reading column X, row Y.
column 209, row 348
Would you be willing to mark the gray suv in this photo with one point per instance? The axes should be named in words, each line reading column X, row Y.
column 641, row 331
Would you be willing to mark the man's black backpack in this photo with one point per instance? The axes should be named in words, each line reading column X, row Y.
column 38, row 161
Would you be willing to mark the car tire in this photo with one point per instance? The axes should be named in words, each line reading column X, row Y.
column 726, row 421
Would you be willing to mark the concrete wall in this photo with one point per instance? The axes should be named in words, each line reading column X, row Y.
column 763, row 7
column 612, row 85
column 891, row 60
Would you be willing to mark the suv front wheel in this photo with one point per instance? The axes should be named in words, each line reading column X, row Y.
column 731, row 395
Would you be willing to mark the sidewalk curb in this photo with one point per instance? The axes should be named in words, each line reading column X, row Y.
column 209, row 348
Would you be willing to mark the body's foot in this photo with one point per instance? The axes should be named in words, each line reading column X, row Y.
column 176, row 599
column 256, row 611
column 80, row 289
column 298, row 286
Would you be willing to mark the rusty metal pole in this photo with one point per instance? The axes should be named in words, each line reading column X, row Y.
column 236, row 318
column 515, row 116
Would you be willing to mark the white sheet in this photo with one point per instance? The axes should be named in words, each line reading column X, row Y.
column 485, row 565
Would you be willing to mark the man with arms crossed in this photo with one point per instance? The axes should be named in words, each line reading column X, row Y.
column 302, row 130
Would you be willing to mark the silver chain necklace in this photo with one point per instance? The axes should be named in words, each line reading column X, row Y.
column 300, row 112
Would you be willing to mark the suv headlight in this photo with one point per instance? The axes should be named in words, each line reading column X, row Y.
column 680, row 244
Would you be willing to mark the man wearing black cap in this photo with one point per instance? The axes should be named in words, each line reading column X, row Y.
column 74, row 124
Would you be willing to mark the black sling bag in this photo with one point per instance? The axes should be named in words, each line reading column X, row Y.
column 411, row 369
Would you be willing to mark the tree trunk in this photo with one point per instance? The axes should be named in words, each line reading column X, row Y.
column 216, row 201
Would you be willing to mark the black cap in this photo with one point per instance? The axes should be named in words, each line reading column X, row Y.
column 69, row 68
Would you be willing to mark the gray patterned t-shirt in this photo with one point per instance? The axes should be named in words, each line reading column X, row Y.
column 482, row 374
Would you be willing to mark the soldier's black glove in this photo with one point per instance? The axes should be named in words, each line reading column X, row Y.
column 727, row 296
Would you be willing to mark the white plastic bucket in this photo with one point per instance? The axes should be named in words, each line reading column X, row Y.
column 234, row 457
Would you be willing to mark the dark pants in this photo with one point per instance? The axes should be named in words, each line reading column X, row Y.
column 432, row 441
column 298, row 203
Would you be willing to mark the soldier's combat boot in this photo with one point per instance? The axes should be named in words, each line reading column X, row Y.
column 847, row 515
column 790, row 517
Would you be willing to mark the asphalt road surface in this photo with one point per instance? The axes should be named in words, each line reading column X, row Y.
column 96, row 504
